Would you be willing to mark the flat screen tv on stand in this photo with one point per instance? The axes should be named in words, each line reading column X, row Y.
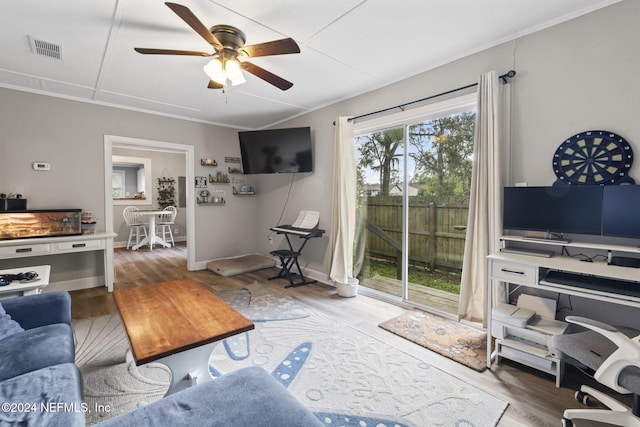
column 276, row 151
column 554, row 210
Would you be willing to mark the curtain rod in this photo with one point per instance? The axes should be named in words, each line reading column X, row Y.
column 509, row 74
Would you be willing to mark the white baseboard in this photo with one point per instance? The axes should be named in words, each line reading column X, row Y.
column 75, row 284
column 317, row 275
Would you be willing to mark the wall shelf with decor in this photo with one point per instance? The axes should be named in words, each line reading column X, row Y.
column 245, row 190
column 211, row 201
column 208, row 162
column 219, row 178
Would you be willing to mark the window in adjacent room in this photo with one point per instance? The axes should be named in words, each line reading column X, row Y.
column 117, row 184
column 131, row 180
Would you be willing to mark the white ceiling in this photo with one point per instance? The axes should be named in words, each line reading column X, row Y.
column 345, row 49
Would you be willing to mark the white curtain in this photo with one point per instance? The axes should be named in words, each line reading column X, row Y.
column 343, row 218
column 484, row 225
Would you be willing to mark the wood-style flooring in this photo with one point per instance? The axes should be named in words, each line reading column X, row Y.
column 533, row 398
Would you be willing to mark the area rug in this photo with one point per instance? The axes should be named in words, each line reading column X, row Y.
column 464, row 344
column 346, row 377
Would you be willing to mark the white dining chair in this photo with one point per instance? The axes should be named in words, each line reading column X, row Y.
column 136, row 227
column 164, row 226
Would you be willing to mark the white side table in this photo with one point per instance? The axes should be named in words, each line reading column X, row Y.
column 28, row 288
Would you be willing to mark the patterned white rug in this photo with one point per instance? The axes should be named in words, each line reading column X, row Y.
column 346, row 377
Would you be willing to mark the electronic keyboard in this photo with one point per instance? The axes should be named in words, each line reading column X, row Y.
column 294, row 230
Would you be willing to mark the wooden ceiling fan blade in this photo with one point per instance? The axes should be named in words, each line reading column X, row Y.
column 192, row 20
column 214, row 85
column 267, row 76
column 149, row 51
column 275, row 47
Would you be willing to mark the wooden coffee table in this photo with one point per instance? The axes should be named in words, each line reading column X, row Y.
column 177, row 323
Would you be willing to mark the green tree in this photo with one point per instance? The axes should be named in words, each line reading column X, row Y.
column 442, row 149
column 378, row 153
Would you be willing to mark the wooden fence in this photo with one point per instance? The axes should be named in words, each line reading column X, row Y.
column 436, row 230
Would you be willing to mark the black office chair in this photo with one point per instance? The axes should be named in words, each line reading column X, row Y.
column 614, row 355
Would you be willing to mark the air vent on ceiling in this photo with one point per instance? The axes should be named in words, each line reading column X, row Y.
column 44, row 48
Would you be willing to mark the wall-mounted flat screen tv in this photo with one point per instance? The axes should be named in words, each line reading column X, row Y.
column 621, row 211
column 566, row 209
column 276, row 151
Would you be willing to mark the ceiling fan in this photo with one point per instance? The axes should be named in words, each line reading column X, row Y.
column 228, row 44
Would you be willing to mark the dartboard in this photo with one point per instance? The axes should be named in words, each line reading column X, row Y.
column 595, row 157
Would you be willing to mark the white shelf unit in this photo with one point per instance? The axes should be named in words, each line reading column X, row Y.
column 529, row 271
column 531, row 355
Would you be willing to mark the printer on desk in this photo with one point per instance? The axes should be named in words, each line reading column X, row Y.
column 523, row 333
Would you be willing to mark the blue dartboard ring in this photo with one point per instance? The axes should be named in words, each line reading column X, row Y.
column 594, row 157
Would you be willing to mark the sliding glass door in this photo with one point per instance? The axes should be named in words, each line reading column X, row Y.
column 413, row 193
column 380, row 215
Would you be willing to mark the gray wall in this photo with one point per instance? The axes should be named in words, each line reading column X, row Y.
column 70, row 136
column 576, row 76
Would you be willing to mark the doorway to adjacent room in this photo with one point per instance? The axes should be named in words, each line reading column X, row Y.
column 112, row 142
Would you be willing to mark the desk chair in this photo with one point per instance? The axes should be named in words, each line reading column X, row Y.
column 164, row 226
column 615, row 358
column 136, row 227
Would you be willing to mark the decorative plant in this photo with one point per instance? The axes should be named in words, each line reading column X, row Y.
column 166, row 192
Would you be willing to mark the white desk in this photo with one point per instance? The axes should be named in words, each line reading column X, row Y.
column 528, row 271
column 152, row 238
column 25, row 288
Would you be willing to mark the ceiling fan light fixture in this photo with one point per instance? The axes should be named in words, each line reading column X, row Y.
column 220, row 71
column 234, row 72
column 215, row 71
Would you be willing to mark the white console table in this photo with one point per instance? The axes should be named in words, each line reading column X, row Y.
column 43, row 246
column 529, row 271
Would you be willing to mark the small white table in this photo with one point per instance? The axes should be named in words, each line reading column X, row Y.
column 152, row 238
column 25, row 288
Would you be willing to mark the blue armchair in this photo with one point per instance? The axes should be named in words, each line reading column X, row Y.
column 39, row 382
column 47, row 338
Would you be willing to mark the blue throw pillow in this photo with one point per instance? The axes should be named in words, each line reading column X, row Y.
column 8, row 326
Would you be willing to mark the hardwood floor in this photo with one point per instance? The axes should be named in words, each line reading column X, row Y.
column 533, row 398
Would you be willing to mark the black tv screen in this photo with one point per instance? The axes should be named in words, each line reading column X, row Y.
column 276, row 151
column 566, row 209
column 621, row 211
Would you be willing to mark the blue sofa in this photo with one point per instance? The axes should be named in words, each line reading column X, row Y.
column 41, row 385
column 39, row 382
